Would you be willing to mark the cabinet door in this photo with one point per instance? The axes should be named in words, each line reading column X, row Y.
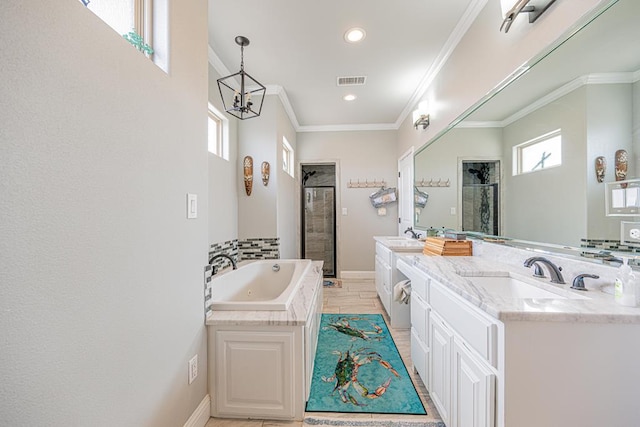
column 420, row 318
column 473, row 390
column 440, row 343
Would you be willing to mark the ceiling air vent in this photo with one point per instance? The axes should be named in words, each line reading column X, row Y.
column 352, row 81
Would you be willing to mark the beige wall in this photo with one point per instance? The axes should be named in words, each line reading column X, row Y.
column 101, row 287
column 360, row 155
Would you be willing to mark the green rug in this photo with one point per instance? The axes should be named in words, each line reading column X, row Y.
column 358, row 369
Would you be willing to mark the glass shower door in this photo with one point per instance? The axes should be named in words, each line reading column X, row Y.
column 319, row 227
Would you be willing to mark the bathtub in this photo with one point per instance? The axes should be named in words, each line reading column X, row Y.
column 259, row 285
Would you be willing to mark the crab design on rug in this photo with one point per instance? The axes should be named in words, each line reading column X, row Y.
column 346, row 375
column 343, row 326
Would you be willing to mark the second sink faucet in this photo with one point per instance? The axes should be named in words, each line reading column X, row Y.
column 554, row 270
column 413, row 233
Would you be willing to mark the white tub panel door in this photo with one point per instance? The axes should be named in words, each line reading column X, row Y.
column 255, row 374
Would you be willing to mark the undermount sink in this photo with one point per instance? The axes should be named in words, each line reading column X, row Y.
column 511, row 287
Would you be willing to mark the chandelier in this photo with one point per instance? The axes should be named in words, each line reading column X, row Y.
column 242, row 95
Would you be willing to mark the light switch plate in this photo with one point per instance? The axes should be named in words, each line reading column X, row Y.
column 192, row 206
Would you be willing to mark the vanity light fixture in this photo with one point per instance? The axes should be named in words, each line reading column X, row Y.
column 354, row 35
column 349, row 97
column 421, row 115
column 240, row 92
column 510, row 11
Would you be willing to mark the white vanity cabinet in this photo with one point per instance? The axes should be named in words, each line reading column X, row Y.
column 387, row 275
column 473, row 389
column 453, row 348
column 383, row 276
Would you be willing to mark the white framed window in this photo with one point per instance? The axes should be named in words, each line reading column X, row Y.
column 218, row 133
column 125, row 15
column 143, row 23
column 287, row 157
column 537, row 154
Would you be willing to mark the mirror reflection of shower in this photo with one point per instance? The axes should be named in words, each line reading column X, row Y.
column 480, row 196
column 319, row 215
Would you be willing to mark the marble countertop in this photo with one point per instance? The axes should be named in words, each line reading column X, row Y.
column 400, row 243
column 296, row 315
column 457, row 274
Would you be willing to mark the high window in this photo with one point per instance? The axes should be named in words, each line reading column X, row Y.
column 540, row 153
column 141, row 22
column 287, row 157
column 218, row 133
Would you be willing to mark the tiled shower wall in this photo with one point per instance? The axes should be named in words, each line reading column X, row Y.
column 239, row 250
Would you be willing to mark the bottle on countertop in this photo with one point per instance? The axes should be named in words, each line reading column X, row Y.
column 625, row 285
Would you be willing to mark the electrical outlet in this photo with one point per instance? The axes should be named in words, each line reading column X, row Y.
column 634, row 233
column 193, row 368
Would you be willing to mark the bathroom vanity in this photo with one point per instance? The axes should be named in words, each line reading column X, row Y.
column 388, row 248
column 497, row 347
column 261, row 361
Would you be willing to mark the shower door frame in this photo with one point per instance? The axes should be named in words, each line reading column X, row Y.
column 482, row 159
column 303, row 240
column 337, row 208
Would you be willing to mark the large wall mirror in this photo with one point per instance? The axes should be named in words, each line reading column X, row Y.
column 522, row 164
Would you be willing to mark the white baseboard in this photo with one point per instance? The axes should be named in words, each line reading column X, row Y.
column 201, row 415
column 357, row 274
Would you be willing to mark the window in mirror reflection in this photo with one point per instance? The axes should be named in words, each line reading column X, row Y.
column 539, row 153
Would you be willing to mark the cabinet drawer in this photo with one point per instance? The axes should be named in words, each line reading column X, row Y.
column 384, row 253
column 419, row 280
column 478, row 331
column 419, row 357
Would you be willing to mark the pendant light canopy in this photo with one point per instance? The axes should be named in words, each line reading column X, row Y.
column 242, row 95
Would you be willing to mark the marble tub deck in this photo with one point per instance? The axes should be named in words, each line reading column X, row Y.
column 357, row 296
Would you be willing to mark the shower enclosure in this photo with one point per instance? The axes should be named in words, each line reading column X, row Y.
column 319, row 216
column 481, row 196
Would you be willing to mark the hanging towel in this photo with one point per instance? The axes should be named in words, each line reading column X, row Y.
column 402, row 291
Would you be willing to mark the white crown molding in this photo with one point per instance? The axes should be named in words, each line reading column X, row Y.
column 479, row 124
column 284, row 99
column 217, row 64
column 461, row 28
column 348, row 128
column 589, row 79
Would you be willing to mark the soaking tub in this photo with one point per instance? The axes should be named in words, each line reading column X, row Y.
column 260, row 285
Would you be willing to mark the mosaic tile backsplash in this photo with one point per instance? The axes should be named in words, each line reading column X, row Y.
column 239, row 250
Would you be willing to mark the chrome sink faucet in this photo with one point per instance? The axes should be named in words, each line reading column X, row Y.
column 222, row 255
column 554, row 270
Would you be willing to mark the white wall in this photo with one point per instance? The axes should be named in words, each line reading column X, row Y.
column 101, row 284
column 362, row 155
column 483, row 58
column 224, row 187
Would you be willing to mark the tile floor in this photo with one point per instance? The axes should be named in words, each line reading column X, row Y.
column 355, row 296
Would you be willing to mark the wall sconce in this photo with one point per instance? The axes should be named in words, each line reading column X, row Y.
column 510, row 11
column 421, row 115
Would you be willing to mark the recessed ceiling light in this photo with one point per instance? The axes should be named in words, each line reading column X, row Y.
column 354, row 35
column 349, row 97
